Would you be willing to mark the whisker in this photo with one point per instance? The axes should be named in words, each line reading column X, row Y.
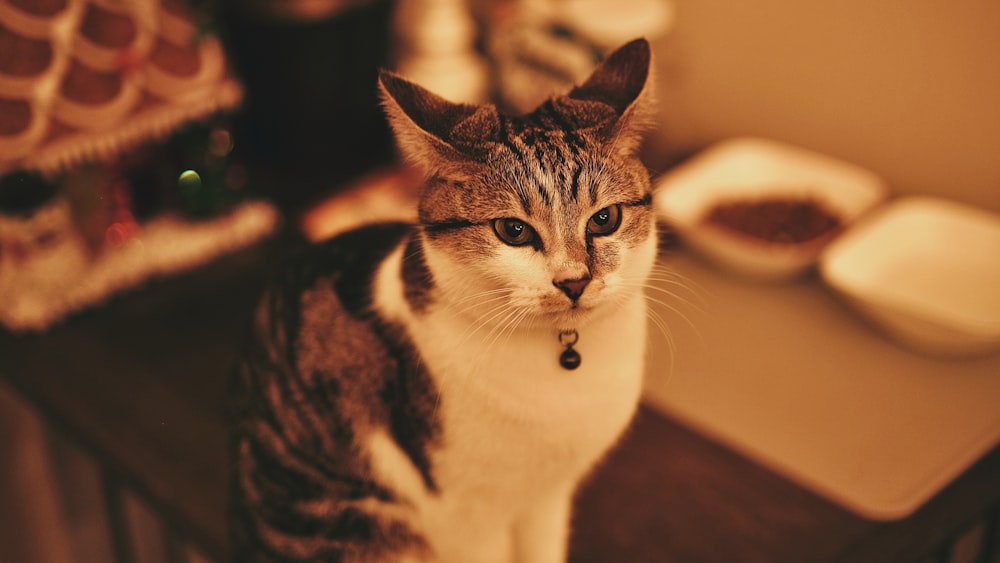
column 661, row 325
column 488, row 317
column 699, row 307
column 457, row 297
column 679, row 313
column 674, row 281
column 485, row 320
column 480, row 294
column 500, row 328
column 514, row 323
column 665, row 273
column 480, row 303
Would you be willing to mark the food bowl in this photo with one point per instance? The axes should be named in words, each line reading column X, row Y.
column 764, row 209
column 927, row 271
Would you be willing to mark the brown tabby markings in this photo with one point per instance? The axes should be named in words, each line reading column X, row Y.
column 417, row 279
column 301, row 402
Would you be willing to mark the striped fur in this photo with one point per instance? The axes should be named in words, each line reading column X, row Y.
column 400, row 398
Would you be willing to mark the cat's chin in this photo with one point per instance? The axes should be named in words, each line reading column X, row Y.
column 571, row 318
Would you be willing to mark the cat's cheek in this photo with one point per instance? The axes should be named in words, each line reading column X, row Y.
column 519, row 270
column 640, row 262
column 474, row 246
column 605, row 257
column 637, row 229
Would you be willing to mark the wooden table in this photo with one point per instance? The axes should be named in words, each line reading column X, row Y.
column 141, row 382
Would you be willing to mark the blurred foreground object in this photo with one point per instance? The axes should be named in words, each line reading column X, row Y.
column 383, row 196
column 435, row 46
column 544, row 47
column 114, row 160
column 311, row 121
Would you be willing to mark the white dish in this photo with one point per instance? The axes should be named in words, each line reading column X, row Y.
column 747, row 169
column 927, row 271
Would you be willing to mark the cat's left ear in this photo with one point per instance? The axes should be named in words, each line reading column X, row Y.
column 623, row 81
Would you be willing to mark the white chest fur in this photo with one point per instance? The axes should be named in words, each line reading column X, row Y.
column 516, row 422
column 510, row 409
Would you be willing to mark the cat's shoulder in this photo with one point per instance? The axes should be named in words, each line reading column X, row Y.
column 353, row 255
column 315, row 284
column 346, row 262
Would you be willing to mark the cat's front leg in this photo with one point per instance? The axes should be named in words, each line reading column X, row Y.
column 541, row 534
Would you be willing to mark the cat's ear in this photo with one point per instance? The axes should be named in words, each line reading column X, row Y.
column 424, row 123
column 623, row 81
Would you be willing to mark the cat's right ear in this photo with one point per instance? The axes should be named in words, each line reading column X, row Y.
column 423, row 123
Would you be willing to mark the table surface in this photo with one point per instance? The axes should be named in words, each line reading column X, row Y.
column 141, row 381
column 790, row 375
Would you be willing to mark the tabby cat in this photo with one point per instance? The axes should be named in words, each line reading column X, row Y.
column 436, row 392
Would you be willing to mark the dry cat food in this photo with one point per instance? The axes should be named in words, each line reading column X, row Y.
column 782, row 220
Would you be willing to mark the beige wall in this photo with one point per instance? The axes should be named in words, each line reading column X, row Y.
column 908, row 88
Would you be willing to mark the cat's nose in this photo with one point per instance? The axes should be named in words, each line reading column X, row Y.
column 573, row 288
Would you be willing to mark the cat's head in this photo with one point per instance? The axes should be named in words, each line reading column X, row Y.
column 546, row 216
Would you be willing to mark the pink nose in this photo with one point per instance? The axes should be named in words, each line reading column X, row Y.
column 573, row 288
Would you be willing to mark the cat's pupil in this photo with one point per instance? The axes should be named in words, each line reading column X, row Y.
column 514, row 230
column 602, row 217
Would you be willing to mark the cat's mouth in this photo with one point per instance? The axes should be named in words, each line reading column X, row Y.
column 555, row 309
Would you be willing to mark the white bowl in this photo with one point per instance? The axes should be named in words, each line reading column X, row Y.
column 927, row 271
column 758, row 169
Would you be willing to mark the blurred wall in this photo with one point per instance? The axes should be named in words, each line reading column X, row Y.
column 908, row 88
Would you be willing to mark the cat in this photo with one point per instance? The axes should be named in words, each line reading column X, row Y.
column 436, row 392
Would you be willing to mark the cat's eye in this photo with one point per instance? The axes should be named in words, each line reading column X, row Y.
column 514, row 231
column 605, row 221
